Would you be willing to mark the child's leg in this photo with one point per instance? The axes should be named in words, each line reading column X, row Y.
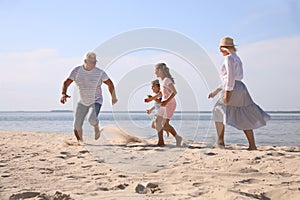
column 159, row 129
column 153, row 123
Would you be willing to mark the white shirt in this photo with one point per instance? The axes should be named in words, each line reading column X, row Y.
column 89, row 84
column 231, row 70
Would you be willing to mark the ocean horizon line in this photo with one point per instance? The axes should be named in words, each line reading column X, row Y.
column 139, row 111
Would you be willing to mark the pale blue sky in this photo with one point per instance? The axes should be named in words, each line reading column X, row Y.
column 40, row 42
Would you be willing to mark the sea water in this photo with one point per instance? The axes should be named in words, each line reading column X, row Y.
column 282, row 130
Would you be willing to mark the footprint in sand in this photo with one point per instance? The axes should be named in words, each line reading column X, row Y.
column 47, row 171
column 248, row 170
column 5, row 175
column 76, row 177
column 102, row 189
column 275, row 154
column 24, row 195
column 83, row 151
column 197, row 184
column 3, row 165
column 291, row 183
column 86, row 166
column 283, row 174
column 64, row 155
column 249, row 181
column 120, row 187
column 210, row 154
column 117, row 187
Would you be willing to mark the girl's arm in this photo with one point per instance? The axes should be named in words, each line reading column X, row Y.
column 174, row 92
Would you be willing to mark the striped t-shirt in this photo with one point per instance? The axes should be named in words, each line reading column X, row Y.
column 89, row 84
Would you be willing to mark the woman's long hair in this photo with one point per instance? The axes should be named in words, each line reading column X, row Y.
column 165, row 70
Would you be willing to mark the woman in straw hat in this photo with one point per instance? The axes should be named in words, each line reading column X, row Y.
column 235, row 107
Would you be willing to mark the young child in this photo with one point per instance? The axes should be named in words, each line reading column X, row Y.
column 155, row 86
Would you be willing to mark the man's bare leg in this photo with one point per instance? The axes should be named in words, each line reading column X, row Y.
column 97, row 131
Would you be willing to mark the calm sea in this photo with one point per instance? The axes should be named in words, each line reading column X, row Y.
column 282, row 130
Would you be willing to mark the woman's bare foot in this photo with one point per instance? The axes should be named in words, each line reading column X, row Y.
column 252, row 148
column 219, row 145
column 160, row 144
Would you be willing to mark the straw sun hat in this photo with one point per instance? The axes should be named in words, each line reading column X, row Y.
column 227, row 42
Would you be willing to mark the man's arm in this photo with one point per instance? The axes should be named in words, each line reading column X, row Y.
column 111, row 89
column 65, row 86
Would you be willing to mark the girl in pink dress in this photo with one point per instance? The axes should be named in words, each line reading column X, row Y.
column 167, row 106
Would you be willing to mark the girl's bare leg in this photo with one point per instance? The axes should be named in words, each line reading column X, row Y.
column 251, row 140
column 220, row 130
column 169, row 128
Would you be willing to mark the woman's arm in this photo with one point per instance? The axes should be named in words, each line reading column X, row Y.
column 226, row 97
column 214, row 93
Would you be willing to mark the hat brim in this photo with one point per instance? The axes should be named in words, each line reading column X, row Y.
column 222, row 45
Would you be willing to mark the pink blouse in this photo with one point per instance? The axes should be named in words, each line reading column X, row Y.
column 166, row 91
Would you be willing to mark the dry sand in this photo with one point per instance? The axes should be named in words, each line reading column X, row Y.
column 43, row 166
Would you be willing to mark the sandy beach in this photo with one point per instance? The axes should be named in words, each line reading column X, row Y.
column 51, row 166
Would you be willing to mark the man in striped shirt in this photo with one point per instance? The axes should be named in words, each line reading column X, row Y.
column 88, row 79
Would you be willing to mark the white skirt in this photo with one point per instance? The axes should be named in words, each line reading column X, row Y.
column 240, row 112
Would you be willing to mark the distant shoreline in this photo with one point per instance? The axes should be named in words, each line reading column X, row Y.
column 137, row 111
